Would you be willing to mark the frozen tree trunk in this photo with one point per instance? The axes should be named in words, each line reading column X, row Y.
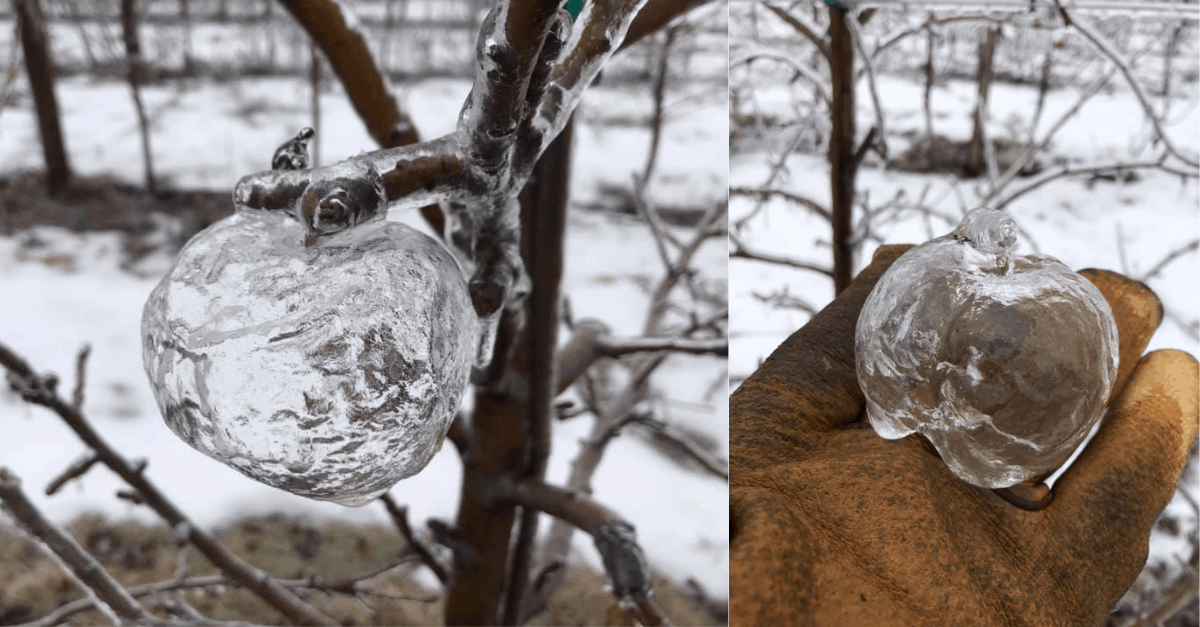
column 136, row 68
column 841, row 146
column 976, row 150
column 31, row 23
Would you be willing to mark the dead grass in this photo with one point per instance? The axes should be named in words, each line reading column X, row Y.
column 31, row 585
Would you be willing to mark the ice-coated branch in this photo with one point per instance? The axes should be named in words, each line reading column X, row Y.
column 800, row 199
column 742, row 251
column 615, row 538
column 73, row 558
column 1069, row 170
column 802, row 26
column 42, row 390
column 1135, row 85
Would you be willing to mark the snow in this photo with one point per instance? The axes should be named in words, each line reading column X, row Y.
column 209, row 135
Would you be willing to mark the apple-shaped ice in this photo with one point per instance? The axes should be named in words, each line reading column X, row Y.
column 331, row 369
column 1003, row 362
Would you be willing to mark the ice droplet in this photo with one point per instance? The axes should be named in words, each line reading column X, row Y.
column 331, row 370
column 1002, row 362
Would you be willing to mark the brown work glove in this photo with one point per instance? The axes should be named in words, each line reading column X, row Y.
column 832, row 525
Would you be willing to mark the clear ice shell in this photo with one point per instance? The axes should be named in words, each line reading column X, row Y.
column 331, row 371
column 1004, row 363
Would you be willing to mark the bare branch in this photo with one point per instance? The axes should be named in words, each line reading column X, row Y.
column 662, row 429
column 1190, row 247
column 802, row 26
column 818, row 82
column 800, row 199
column 40, row 390
column 742, row 251
column 77, row 469
column 615, row 538
column 349, row 586
column 614, row 347
column 399, row 516
column 80, row 376
column 856, row 34
column 1068, row 170
column 111, row 596
column 1105, row 47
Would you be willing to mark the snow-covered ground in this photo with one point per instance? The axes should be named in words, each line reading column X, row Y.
column 1129, row 226
column 208, row 136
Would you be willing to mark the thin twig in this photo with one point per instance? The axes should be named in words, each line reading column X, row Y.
column 742, row 251
column 399, row 516
column 662, row 429
column 1106, row 48
column 1068, row 170
column 111, row 596
column 76, row 470
column 80, row 376
column 800, row 199
column 348, row 586
column 1191, row 246
column 39, row 390
column 809, row 31
column 881, row 130
column 617, row 347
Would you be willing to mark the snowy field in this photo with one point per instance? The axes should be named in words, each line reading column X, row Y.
column 1128, row 226
column 209, row 135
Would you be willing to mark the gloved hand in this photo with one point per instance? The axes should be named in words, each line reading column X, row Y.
column 832, row 525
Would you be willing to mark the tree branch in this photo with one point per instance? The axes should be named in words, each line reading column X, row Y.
column 40, row 390
column 617, row 347
column 809, row 31
column 399, row 516
column 742, row 251
column 1106, row 48
column 614, row 537
column 111, row 597
column 800, row 199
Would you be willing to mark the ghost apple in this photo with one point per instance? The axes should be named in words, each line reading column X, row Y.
column 328, row 363
column 1003, row 362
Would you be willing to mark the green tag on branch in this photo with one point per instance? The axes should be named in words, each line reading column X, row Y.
column 575, row 7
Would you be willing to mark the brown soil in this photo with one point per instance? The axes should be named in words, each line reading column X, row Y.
column 31, row 585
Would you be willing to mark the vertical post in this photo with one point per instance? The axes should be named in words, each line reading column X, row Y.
column 841, row 145
column 31, row 23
